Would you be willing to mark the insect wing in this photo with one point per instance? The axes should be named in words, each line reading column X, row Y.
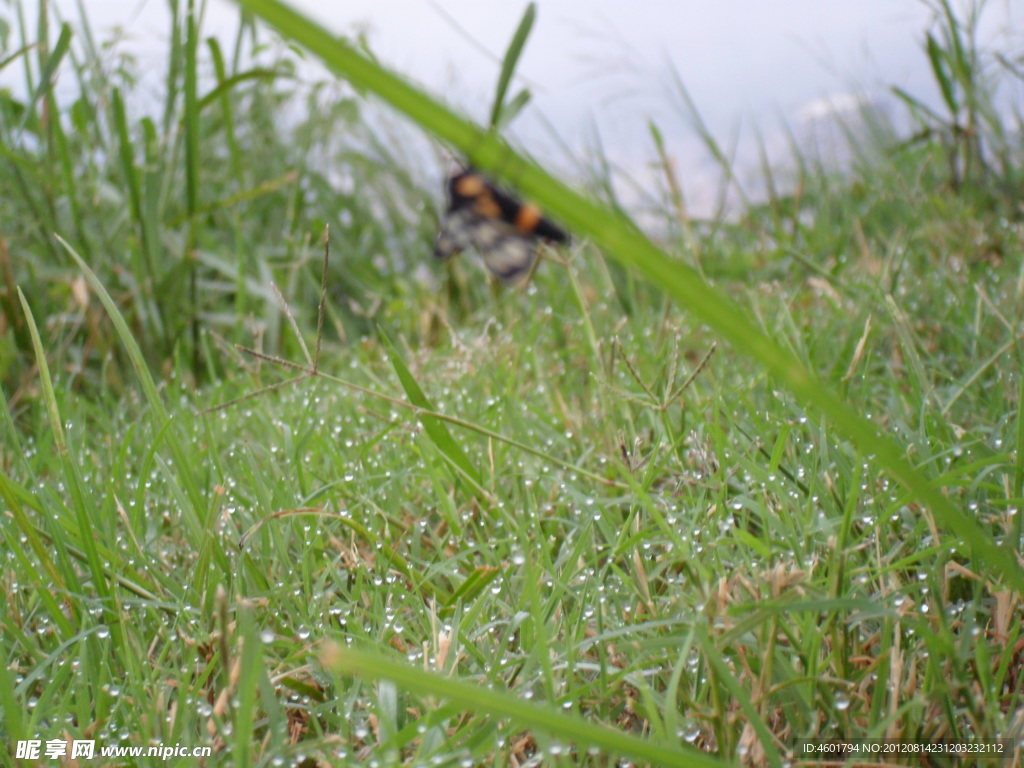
column 506, row 253
column 504, row 231
column 456, row 233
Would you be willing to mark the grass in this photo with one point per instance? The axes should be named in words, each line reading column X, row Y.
column 561, row 525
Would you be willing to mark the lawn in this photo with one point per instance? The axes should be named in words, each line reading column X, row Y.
column 279, row 487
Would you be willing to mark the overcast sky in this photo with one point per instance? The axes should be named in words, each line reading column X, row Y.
column 735, row 56
column 608, row 64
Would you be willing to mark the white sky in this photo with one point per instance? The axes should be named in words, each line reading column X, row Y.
column 734, row 55
column 607, row 64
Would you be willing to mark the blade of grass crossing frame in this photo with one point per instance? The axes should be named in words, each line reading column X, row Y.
column 525, row 714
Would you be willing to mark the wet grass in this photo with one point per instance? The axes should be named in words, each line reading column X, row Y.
column 564, row 524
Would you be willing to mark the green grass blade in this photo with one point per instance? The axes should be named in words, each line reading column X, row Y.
column 916, row 106
column 474, row 584
column 7, row 60
column 10, row 705
column 958, row 58
column 85, row 510
column 940, row 70
column 622, row 240
column 480, row 430
column 221, row 93
column 435, row 429
column 742, row 697
column 52, row 63
column 68, row 176
column 526, row 714
column 226, row 83
column 515, row 105
column 245, row 706
column 16, row 497
column 191, row 128
column 508, row 65
column 132, row 181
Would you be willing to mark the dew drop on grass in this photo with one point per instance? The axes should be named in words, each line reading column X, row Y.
column 690, row 731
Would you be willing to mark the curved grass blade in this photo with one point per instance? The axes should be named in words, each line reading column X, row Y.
column 47, row 77
column 508, row 68
column 527, row 714
column 192, row 511
column 435, row 428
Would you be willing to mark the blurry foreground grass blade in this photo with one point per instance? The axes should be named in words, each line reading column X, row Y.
column 622, row 240
column 51, row 63
column 508, row 68
column 526, row 714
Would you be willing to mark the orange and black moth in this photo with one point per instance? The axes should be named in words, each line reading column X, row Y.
column 503, row 230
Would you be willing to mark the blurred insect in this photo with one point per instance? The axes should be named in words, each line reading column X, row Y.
column 504, row 231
